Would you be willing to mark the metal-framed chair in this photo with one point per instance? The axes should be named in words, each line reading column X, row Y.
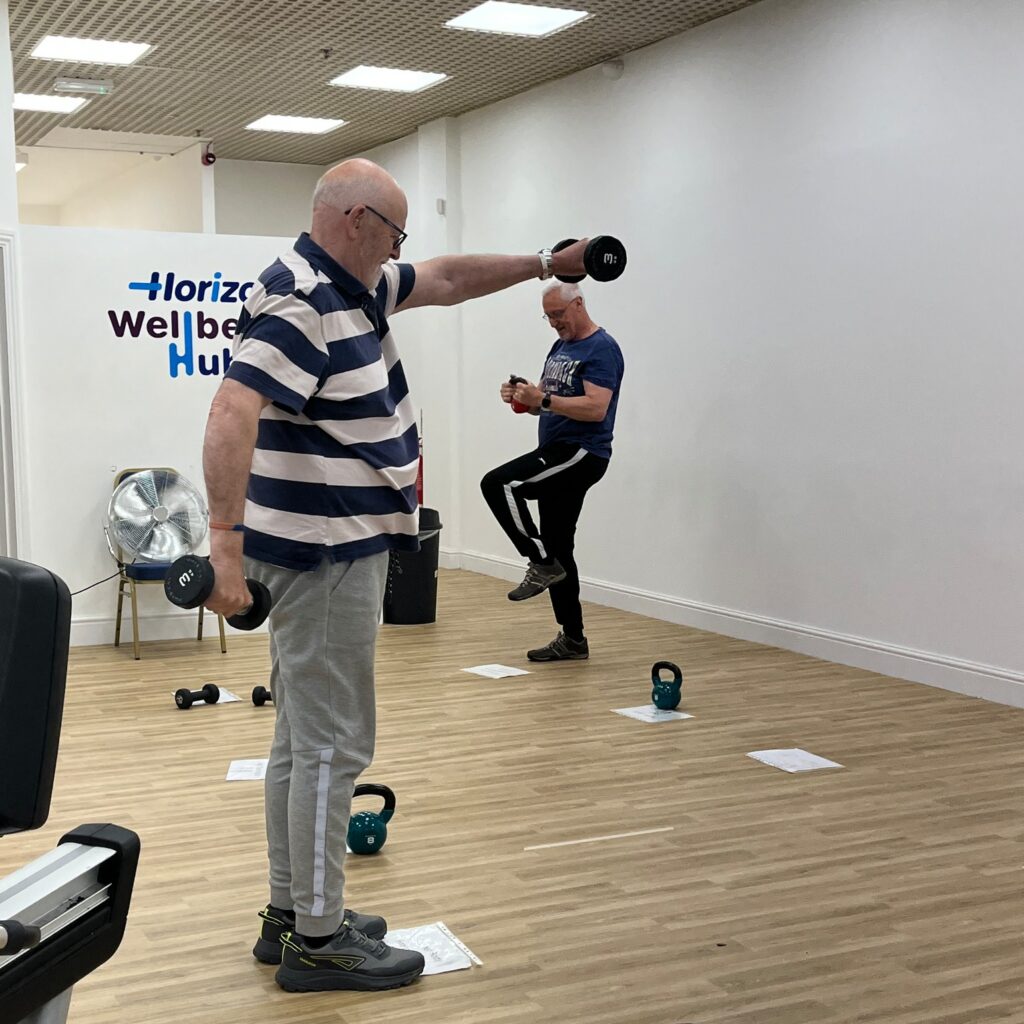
column 131, row 576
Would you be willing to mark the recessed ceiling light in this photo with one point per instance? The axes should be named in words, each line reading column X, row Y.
column 19, row 166
column 516, row 19
column 306, row 125
column 392, row 79
column 49, row 104
column 88, row 51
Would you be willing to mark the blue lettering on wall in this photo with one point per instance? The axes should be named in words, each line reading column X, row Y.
column 183, row 329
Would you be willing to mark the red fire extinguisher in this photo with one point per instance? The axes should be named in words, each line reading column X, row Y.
column 419, row 467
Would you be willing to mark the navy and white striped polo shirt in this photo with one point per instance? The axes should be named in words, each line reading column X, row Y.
column 334, row 470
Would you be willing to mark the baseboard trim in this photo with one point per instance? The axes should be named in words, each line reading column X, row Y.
column 988, row 682
column 165, row 626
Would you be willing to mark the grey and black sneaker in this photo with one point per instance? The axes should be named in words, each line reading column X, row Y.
column 562, row 648
column 350, row 960
column 276, row 922
column 538, row 578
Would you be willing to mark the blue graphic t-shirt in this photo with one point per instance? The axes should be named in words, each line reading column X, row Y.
column 598, row 359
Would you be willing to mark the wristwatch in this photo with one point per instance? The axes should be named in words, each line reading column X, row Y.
column 547, row 264
column 545, row 402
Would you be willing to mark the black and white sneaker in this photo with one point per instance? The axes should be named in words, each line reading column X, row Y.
column 538, row 578
column 349, row 960
column 276, row 922
column 562, row 648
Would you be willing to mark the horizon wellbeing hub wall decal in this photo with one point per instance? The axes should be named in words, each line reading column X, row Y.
column 184, row 327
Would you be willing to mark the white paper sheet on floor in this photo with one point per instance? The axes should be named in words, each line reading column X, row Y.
column 441, row 950
column 247, row 770
column 496, row 671
column 650, row 713
column 793, row 759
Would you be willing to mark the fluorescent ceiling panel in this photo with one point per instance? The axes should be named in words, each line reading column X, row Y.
column 389, row 79
column 516, row 19
column 304, row 125
column 88, row 51
column 46, row 103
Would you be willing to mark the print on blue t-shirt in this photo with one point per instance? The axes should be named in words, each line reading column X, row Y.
column 596, row 358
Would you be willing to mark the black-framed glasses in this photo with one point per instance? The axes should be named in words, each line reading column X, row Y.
column 557, row 314
column 402, row 235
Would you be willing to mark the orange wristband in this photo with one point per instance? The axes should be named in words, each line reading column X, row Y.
column 237, row 527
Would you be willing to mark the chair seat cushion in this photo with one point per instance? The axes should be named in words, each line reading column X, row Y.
column 147, row 571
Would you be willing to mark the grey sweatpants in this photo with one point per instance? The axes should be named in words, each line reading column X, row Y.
column 323, row 629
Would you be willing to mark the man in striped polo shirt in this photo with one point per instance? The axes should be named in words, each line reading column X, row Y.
column 311, row 444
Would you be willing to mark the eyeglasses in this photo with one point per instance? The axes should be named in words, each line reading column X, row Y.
column 400, row 235
column 556, row 314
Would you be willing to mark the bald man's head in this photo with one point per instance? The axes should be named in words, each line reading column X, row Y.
column 356, row 181
column 359, row 215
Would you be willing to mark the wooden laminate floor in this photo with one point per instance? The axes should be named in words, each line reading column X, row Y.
column 889, row 892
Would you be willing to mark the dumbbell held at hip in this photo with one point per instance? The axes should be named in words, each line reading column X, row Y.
column 189, row 582
column 604, row 258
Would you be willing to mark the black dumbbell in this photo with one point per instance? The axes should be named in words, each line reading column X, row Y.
column 604, row 258
column 189, row 582
column 260, row 696
column 186, row 698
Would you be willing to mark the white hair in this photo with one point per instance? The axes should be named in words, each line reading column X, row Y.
column 567, row 292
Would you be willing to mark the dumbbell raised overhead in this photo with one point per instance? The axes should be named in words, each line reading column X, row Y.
column 185, row 698
column 189, row 582
column 604, row 258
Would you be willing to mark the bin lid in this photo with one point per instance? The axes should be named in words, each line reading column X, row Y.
column 430, row 520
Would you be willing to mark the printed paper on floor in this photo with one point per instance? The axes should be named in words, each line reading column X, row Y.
column 649, row 713
column 496, row 671
column 792, row 759
column 441, row 950
column 247, row 770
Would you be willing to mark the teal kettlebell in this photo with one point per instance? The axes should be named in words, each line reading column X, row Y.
column 666, row 692
column 368, row 830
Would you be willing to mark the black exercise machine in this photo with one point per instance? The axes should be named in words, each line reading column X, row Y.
column 64, row 914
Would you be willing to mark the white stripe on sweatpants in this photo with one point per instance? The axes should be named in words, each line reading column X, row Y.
column 543, row 475
column 323, row 792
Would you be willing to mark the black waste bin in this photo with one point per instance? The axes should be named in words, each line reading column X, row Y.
column 410, row 597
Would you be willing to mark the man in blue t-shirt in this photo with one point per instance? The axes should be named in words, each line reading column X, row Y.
column 576, row 402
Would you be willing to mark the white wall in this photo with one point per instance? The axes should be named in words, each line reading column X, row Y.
column 38, row 213
column 818, row 440
column 819, row 434
column 8, row 291
column 161, row 194
column 8, row 184
column 93, row 402
column 258, row 197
